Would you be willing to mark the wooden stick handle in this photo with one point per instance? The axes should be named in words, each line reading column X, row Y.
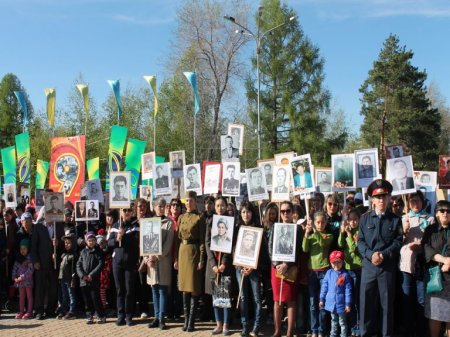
column 281, row 292
column 240, row 291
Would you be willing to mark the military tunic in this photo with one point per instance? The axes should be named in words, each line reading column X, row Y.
column 191, row 235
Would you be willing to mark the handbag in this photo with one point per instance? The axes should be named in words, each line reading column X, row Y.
column 434, row 282
column 289, row 275
column 221, row 292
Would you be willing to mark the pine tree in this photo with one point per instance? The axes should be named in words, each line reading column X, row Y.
column 395, row 106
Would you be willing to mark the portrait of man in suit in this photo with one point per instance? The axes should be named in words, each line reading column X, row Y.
column 256, row 182
column 281, row 181
column 54, row 209
column 192, row 177
column 268, row 173
column 161, row 181
column 401, row 180
column 324, row 181
column 92, row 211
column 231, row 184
column 365, row 167
column 81, row 210
column 120, row 187
column 229, row 151
column 177, row 162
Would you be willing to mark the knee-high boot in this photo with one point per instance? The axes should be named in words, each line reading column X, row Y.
column 186, row 307
column 194, row 303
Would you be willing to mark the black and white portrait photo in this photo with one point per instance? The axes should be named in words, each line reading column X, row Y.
column 86, row 210
column 54, row 206
column 145, row 192
column 426, row 182
column 39, row 198
column 10, row 194
column 267, row 169
column 192, row 178
column 400, row 174
column 147, row 162
column 212, row 178
column 366, row 166
column 343, row 168
column 281, row 182
column 150, row 236
column 222, row 233
column 323, row 179
column 94, row 190
column 237, row 130
column 229, row 147
column 177, row 162
column 162, row 181
column 395, row 151
column 248, row 245
column 284, row 242
column 230, row 179
column 120, row 191
column 256, row 184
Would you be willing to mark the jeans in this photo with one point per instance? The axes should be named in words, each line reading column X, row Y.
column 222, row 315
column 124, row 280
column 317, row 315
column 69, row 299
column 413, row 302
column 338, row 320
column 302, row 309
column 92, row 301
column 354, row 314
column 159, row 301
column 252, row 281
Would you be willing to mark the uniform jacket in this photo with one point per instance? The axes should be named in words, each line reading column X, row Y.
column 336, row 296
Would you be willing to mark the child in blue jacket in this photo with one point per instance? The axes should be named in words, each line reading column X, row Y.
column 336, row 294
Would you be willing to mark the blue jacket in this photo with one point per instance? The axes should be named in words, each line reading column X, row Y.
column 336, row 297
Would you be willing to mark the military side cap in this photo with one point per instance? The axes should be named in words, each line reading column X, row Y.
column 379, row 187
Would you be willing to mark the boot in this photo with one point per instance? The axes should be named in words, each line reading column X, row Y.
column 186, row 307
column 191, row 323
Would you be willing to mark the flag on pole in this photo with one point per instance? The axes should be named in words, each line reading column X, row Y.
column 22, row 99
column 41, row 173
column 93, row 168
column 115, row 86
column 84, row 91
column 23, row 156
column 192, row 78
column 135, row 149
column 9, row 164
column 51, row 102
column 152, row 81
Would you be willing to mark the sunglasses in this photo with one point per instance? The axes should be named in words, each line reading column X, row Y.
column 285, row 211
column 444, row 210
column 332, row 204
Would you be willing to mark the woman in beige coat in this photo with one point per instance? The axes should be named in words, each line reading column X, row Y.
column 159, row 267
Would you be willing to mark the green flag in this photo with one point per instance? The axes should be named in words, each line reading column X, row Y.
column 41, row 173
column 135, row 149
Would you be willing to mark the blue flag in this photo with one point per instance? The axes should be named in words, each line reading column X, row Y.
column 192, row 78
column 22, row 99
column 115, row 86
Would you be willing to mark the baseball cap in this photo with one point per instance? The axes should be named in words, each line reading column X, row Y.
column 26, row 216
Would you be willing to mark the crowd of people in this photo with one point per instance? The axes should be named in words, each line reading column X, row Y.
column 356, row 270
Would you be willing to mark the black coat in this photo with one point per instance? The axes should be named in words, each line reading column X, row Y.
column 41, row 246
column 91, row 263
column 126, row 256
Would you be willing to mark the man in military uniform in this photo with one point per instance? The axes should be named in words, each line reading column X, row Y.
column 379, row 242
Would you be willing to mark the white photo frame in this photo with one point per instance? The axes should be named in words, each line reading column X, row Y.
column 366, row 166
column 162, row 179
column 177, row 161
column 267, row 166
column 283, row 158
column 343, row 172
column 228, row 149
column 248, row 245
column 284, row 242
column 212, row 178
column 237, row 130
column 10, row 192
column 400, row 173
column 302, row 174
column 256, row 184
column 120, row 189
column 147, row 162
column 94, row 190
column 222, row 229
column 192, row 178
column 87, row 210
column 281, row 182
column 54, row 206
column 145, row 192
column 150, row 236
column 323, row 178
column 230, row 178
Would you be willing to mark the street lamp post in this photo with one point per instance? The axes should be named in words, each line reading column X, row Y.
column 258, row 37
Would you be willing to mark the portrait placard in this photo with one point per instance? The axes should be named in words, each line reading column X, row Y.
column 177, row 187
column 145, row 192
column 248, row 245
column 365, row 196
column 303, row 179
column 256, row 184
column 400, row 173
column 229, row 150
column 162, row 179
column 267, row 169
column 39, row 198
column 283, row 158
column 192, row 178
column 230, row 178
column 177, row 161
column 237, row 130
column 24, row 194
column 343, row 169
column 120, row 191
column 10, row 195
column 86, row 210
column 54, row 206
column 212, row 178
column 323, row 179
column 281, row 182
column 395, row 151
column 150, row 236
column 444, row 171
column 426, row 182
column 148, row 160
column 366, row 166
column 94, row 190
column 284, row 242
column 222, row 233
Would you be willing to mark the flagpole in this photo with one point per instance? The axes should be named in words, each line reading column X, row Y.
column 154, row 133
column 195, row 130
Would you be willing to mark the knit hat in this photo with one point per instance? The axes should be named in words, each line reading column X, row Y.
column 336, row 255
column 89, row 235
column 100, row 239
column 25, row 243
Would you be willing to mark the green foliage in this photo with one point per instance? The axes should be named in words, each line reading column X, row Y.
column 395, row 106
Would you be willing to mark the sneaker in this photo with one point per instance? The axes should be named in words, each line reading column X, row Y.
column 27, row 316
column 69, row 315
column 154, row 323
column 101, row 320
column 40, row 317
column 226, row 332
column 60, row 315
column 144, row 315
column 19, row 315
column 90, row 320
column 216, row 331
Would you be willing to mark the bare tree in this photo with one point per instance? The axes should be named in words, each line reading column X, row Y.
column 212, row 47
